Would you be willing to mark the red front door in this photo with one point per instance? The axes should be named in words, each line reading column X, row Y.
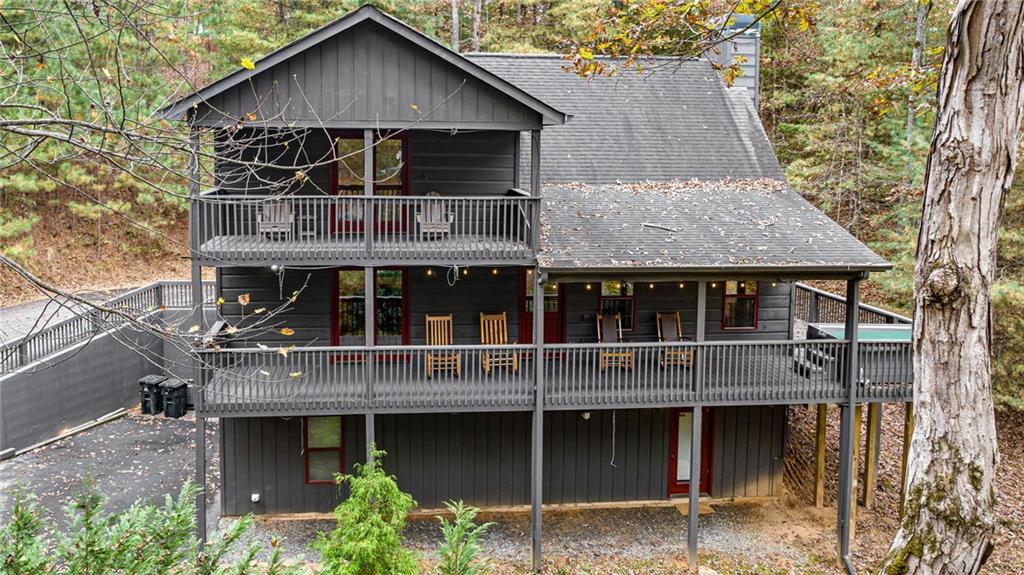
column 679, row 445
column 554, row 311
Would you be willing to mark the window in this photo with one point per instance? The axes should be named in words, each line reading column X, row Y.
column 739, row 305
column 324, row 452
column 617, row 298
column 388, row 171
column 350, row 320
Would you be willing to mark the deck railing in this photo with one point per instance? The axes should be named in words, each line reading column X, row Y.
column 813, row 305
column 576, row 376
column 322, row 229
column 90, row 323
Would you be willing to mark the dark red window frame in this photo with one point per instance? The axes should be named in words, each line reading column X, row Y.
column 333, row 173
column 336, row 321
column 632, row 302
column 707, row 464
column 756, row 296
column 307, row 449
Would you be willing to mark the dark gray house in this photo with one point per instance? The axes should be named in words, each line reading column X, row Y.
column 406, row 210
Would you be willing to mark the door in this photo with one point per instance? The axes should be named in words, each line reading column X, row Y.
column 390, row 172
column 391, row 317
column 680, row 443
column 554, row 311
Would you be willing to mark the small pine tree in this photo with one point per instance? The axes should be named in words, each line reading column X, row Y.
column 368, row 536
column 460, row 551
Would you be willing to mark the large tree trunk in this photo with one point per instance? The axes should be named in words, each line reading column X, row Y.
column 477, row 9
column 949, row 515
column 916, row 63
column 455, row 25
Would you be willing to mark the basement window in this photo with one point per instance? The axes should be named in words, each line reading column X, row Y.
column 324, row 449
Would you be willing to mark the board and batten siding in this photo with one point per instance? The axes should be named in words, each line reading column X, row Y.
column 773, row 311
column 367, row 77
column 484, row 458
column 480, row 163
column 481, row 292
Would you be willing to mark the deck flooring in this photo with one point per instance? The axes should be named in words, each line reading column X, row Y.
column 253, row 248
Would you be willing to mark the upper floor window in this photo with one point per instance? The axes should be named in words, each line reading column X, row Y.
column 617, row 297
column 388, row 166
column 739, row 305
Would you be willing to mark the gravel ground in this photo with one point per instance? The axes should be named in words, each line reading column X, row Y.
column 764, row 532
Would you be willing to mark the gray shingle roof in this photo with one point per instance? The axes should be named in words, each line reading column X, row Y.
column 738, row 225
column 679, row 122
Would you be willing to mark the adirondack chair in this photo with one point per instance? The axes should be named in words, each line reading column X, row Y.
column 439, row 333
column 275, row 220
column 433, row 220
column 609, row 330
column 670, row 330
column 494, row 331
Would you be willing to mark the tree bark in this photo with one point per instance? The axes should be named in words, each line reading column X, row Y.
column 949, row 516
column 477, row 10
column 916, row 63
column 455, row 25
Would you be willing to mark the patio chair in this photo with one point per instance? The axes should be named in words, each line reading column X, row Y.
column 275, row 220
column 670, row 330
column 494, row 331
column 439, row 333
column 433, row 220
column 609, row 330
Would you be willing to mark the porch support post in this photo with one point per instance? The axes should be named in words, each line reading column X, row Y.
column 369, row 221
column 702, row 308
column 535, row 191
column 369, row 291
column 692, row 517
column 369, row 329
column 847, row 445
column 871, row 452
column 819, row 455
column 198, row 320
column 536, row 497
column 908, row 433
column 858, row 420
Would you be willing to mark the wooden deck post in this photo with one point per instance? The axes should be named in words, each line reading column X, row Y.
column 369, row 290
column 908, row 434
column 819, row 455
column 871, row 453
column 536, row 496
column 858, row 419
column 694, row 495
column 847, row 441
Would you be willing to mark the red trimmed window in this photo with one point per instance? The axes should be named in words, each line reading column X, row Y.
column 617, row 297
column 739, row 305
column 325, row 454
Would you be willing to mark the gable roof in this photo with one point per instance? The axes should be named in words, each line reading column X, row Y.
column 679, row 122
column 736, row 226
column 179, row 109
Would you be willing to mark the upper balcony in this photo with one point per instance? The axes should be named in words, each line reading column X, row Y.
column 316, row 230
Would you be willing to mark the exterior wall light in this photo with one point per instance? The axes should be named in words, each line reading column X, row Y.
column 430, row 272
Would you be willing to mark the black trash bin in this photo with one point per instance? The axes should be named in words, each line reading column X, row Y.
column 175, row 397
column 150, row 395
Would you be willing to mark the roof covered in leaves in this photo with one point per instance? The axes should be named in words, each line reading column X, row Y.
column 726, row 225
column 677, row 122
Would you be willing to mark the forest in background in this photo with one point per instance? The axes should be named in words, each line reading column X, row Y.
column 848, row 111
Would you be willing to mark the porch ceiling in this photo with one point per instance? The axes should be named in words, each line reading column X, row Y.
column 698, row 228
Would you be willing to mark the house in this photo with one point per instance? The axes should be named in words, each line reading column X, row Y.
column 367, row 167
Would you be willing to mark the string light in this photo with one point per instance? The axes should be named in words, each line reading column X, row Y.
column 465, row 271
column 714, row 284
column 430, row 272
column 651, row 286
column 774, row 284
column 494, row 271
column 589, row 287
column 682, row 285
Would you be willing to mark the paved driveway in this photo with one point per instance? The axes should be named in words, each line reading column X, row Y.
column 136, row 457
